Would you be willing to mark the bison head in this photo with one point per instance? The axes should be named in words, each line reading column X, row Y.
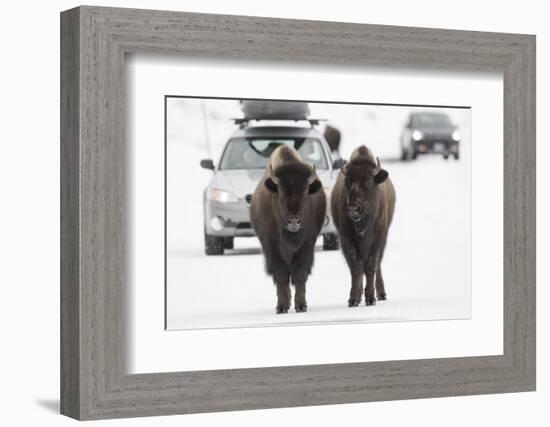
column 362, row 175
column 293, row 183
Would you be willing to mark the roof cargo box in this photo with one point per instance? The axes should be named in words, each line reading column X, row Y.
column 275, row 110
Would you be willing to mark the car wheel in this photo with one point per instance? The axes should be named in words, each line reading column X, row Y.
column 457, row 156
column 228, row 242
column 446, row 156
column 213, row 245
column 404, row 155
column 414, row 155
column 330, row 242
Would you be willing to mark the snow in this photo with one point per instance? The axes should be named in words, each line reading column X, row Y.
column 427, row 262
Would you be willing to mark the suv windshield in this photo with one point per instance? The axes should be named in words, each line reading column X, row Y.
column 254, row 153
column 431, row 120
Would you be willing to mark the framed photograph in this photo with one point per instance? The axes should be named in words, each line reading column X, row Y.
column 261, row 213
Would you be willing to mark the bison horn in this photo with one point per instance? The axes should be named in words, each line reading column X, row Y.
column 378, row 168
column 272, row 175
column 344, row 168
column 313, row 175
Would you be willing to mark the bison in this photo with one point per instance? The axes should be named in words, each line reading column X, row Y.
column 333, row 137
column 287, row 211
column 362, row 206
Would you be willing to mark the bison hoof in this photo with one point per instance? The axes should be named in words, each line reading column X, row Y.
column 370, row 301
column 282, row 309
column 354, row 302
column 301, row 308
column 382, row 297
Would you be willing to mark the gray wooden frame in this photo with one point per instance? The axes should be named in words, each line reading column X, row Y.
column 94, row 41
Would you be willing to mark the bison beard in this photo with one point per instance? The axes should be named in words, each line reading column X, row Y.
column 360, row 226
column 287, row 191
column 363, row 186
column 293, row 237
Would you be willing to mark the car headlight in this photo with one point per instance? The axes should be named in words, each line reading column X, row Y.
column 456, row 135
column 222, row 196
column 417, row 135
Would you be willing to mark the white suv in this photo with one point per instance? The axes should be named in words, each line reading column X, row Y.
column 226, row 200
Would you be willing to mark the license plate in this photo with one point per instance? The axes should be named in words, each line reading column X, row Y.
column 439, row 146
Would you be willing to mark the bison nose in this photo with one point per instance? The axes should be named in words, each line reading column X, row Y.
column 354, row 212
column 294, row 223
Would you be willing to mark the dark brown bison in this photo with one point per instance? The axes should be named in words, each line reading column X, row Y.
column 362, row 205
column 333, row 137
column 287, row 212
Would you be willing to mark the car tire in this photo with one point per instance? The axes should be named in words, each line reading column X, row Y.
column 228, row 243
column 213, row 245
column 330, row 242
column 414, row 155
column 404, row 155
column 446, row 156
column 456, row 156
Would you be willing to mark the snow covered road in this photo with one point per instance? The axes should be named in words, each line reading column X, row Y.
column 426, row 267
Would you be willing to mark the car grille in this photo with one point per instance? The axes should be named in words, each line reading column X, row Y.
column 430, row 138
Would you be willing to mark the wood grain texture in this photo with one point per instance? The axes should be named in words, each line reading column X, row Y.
column 94, row 272
column 70, row 221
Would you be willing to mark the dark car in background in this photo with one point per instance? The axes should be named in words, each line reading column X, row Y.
column 429, row 133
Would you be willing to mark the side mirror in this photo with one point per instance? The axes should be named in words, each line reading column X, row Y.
column 338, row 163
column 207, row 164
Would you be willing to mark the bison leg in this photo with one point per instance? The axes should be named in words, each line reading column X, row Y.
column 299, row 282
column 356, row 291
column 355, row 265
column 276, row 267
column 300, row 270
column 300, row 303
column 380, row 290
column 370, row 269
column 283, row 292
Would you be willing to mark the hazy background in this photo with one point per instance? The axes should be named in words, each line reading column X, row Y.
column 379, row 127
